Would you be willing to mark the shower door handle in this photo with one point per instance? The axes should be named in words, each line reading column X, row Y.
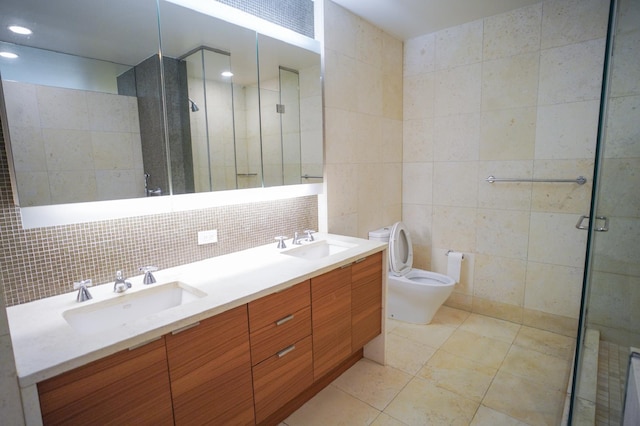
column 603, row 228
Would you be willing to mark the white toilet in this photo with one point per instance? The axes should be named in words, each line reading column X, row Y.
column 413, row 295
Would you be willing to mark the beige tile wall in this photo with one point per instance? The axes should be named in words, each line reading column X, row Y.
column 513, row 95
column 363, row 124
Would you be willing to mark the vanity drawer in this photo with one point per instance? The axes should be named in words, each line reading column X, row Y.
column 280, row 378
column 277, row 335
column 366, row 300
column 369, row 269
column 268, row 310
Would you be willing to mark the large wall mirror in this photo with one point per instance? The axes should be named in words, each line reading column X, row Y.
column 119, row 100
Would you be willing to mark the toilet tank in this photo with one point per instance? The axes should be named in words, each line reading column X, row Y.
column 381, row 234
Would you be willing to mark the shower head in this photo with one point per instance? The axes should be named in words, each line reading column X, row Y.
column 194, row 107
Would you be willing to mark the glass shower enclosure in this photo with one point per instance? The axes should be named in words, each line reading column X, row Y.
column 609, row 326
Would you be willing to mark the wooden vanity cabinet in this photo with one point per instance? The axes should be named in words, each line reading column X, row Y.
column 331, row 319
column 210, row 370
column 366, row 300
column 281, row 348
column 130, row 386
column 252, row 364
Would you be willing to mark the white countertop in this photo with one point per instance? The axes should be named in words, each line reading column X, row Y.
column 45, row 345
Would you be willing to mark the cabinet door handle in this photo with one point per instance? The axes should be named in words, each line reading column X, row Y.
column 139, row 345
column 345, row 266
column 285, row 319
column 185, row 328
column 286, row 351
column 361, row 260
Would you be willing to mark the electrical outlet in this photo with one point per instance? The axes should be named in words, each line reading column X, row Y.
column 207, row 237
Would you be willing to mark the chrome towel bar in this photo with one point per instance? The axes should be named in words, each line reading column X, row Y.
column 310, row 177
column 580, row 180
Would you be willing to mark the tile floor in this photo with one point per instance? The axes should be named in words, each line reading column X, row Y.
column 462, row 369
column 612, row 374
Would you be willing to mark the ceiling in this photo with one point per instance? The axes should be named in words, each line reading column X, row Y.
column 406, row 19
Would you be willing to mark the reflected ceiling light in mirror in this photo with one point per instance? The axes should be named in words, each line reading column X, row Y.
column 226, row 74
column 8, row 55
column 20, row 30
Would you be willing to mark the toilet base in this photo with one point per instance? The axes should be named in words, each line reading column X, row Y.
column 400, row 312
column 417, row 302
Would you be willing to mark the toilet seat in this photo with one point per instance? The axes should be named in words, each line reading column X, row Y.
column 400, row 250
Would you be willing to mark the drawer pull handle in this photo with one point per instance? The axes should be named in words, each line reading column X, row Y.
column 185, row 328
column 361, row 260
column 139, row 345
column 286, row 351
column 345, row 266
column 285, row 319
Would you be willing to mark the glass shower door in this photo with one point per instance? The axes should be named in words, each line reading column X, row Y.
column 610, row 321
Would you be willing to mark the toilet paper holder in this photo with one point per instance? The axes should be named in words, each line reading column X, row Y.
column 449, row 251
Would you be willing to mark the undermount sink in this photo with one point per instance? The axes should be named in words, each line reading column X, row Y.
column 118, row 311
column 318, row 249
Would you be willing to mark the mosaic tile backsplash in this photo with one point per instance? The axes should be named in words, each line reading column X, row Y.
column 43, row 262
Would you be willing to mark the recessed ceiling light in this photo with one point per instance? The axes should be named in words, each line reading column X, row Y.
column 8, row 55
column 226, row 74
column 20, row 30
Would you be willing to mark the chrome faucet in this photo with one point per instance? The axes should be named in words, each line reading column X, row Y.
column 83, row 292
column 148, row 276
column 297, row 240
column 281, row 244
column 121, row 285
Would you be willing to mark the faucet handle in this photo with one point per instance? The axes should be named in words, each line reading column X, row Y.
column 148, row 276
column 83, row 283
column 280, row 239
column 309, row 233
column 121, row 285
column 83, row 292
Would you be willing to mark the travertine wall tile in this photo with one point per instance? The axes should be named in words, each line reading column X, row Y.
column 461, row 45
column 572, row 21
column 365, row 94
column 515, row 95
column 512, row 33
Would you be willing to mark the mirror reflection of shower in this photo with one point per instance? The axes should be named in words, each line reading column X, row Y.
column 290, row 125
column 150, row 192
column 219, row 134
column 280, row 120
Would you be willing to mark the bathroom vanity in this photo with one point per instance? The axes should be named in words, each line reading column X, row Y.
column 244, row 338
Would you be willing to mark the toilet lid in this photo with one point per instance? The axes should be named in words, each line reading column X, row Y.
column 400, row 250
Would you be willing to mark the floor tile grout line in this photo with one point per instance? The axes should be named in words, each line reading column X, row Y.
column 434, row 349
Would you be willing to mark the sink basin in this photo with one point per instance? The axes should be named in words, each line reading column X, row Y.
column 118, row 311
column 318, row 249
